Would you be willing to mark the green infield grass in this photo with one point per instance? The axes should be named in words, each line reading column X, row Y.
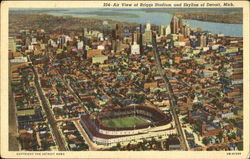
column 124, row 122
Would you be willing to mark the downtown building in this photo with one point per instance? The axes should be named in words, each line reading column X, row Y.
column 177, row 26
column 147, row 36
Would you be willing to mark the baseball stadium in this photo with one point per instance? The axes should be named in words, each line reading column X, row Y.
column 125, row 124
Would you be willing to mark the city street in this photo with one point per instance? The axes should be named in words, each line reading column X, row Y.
column 171, row 97
column 49, row 114
column 13, row 124
column 92, row 146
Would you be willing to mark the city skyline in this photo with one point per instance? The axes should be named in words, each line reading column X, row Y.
column 137, row 15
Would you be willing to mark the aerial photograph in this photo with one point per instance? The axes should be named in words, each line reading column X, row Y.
column 125, row 79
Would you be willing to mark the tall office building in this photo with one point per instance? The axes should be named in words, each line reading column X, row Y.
column 136, row 37
column 116, row 45
column 168, row 30
column 162, row 30
column 147, row 36
column 174, row 25
column 181, row 25
column 203, row 41
column 113, row 45
column 148, row 26
column 140, row 38
column 135, row 49
column 187, row 31
column 182, row 29
column 178, row 26
column 118, row 32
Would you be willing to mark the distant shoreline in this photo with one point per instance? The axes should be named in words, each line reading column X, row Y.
column 218, row 16
column 71, row 22
column 227, row 16
column 213, row 21
column 84, row 15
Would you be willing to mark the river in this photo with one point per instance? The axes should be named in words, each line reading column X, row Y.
column 158, row 18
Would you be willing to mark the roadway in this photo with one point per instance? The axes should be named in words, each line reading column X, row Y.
column 172, row 100
column 92, row 145
column 49, row 114
column 14, row 145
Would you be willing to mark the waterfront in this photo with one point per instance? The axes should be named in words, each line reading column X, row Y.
column 141, row 16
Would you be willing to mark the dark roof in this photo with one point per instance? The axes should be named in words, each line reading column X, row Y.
column 173, row 141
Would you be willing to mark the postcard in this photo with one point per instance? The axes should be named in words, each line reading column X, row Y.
column 125, row 79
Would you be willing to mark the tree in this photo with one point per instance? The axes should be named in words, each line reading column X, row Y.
column 58, row 111
column 232, row 136
column 59, row 85
column 118, row 145
column 140, row 98
column 83, row 147
column 211, row 118
column 239, row 146
column 205, row 141
column 45, row 145
column 220, row 136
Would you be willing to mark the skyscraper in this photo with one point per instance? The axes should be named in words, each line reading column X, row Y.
column 182, row 29
column 148, row 26
column 136, row 37
column 118, row 46
column 168, row 30
column 174, row 25
column 178, row 26
column 181, row 25
column 147, row 36
column 203, row 41
column 140, row 38
column 118, row 31
column 135, row 49
column 162, row 30
column 186, row 30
